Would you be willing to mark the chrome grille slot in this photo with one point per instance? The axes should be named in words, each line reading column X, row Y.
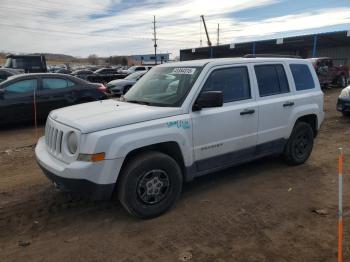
column 53, row 138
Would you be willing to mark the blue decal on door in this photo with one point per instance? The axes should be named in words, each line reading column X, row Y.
column 184, row 124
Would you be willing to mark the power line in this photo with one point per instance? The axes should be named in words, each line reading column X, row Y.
column 59, row 32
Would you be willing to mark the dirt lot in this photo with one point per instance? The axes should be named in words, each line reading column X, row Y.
column 262, row 211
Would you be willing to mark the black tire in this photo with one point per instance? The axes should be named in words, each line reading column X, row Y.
column 346, row 114
column 299, row 146
column 342, row 81
column 149, row 176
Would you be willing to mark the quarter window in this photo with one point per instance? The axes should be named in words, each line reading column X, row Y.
column 233, row 82
column 272, row 79
column 302, row 77
column 56, row 83
column 23, row 86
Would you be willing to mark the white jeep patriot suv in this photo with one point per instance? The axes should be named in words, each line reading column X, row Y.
column 180, row 121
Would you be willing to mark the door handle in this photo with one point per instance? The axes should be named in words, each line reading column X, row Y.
column 247, row 112
column 289, row 103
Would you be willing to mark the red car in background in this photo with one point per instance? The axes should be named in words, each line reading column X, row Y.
column 329, row 74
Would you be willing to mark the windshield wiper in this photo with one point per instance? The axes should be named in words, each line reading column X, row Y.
column 138, row 102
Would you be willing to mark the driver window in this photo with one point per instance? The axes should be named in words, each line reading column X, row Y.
column 23, row 86
column 233, row 82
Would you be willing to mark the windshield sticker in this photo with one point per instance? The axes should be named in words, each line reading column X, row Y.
column 184, row 71
column 184, row 124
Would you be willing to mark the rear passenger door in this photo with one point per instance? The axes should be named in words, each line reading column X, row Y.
column 276, row 103
column 226, row 135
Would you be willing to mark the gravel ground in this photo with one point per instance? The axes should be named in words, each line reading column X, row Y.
column 261, row 211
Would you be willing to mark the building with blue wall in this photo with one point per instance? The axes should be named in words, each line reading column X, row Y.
column 149, row 59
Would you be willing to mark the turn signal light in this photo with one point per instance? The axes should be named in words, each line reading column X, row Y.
column 91, row 158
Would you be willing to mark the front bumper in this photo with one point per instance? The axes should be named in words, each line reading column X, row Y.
column 343, row 105
column 80, row 186
column 97, row 180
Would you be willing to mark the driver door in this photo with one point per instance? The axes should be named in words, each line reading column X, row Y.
column 223, row 136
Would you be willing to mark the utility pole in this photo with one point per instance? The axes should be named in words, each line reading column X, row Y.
column 155, row 38
column 218, row 36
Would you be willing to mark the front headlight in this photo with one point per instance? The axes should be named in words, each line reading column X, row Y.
column 72, row 143
column 345, row 93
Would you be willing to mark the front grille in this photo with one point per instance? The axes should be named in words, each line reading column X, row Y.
column 53, row 138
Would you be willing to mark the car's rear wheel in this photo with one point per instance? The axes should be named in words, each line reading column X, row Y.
column 150, row 184
column 299, row 146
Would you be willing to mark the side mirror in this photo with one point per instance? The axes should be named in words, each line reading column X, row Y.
column 208, row 99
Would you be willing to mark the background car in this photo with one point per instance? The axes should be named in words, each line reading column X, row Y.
column 63, row 71
column 47, row 91
column 134, row 69
column 330, row 74
column 343, row 104
column 83, row 73
column 106, row 71
column 121, row 86
column 7, row 72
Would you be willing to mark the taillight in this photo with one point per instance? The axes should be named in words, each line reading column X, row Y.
column 102, row 87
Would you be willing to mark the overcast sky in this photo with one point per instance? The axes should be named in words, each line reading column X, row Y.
column 123, row 27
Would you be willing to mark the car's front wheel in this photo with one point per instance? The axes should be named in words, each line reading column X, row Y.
column 150, row 184
column 299, row 146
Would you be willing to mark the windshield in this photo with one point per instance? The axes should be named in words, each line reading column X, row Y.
column 8, row 63
column 134, row 76
column 164, row 86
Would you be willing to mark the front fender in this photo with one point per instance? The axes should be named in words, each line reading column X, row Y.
column 120, row 141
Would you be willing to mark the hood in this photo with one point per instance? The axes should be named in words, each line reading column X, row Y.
column 100, row 115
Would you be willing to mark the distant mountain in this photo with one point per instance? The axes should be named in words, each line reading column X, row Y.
column 58, row 57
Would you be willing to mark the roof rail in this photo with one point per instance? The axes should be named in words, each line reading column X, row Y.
column 271, row 55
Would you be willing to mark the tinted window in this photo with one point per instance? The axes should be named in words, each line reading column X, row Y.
column 23, row 86
column 140, row 69
column 233, row 82
column 272, row 79
column 56, row 83
column 302, row 77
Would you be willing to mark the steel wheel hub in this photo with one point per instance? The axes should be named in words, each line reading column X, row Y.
column 153, row 186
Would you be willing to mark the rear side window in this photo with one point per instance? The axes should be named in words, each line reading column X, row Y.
column 302, row 77
column 56, row 83
column 233, row 82
column 272, row 79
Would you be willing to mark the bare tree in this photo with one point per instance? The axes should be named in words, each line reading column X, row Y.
column 93, row 59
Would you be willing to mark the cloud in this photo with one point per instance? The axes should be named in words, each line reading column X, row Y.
column 113, row 27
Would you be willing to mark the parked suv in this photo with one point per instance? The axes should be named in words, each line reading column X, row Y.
column 181, row 121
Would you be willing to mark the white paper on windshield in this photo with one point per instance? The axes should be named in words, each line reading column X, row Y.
column 183, row 71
